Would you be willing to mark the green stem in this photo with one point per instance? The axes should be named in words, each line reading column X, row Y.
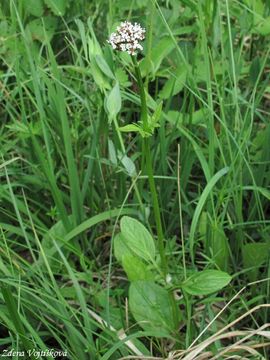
column 149, row 168
column 153, row 190
column 142, row 93
column 146, row 153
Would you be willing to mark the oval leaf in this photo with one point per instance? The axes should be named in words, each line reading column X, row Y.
column 138, row 238
column 206, row 282
column 151, row 307
column 113, row 102
column 120, row 248
column 136, row 269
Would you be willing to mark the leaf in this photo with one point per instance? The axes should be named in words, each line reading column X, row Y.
column 112, row 152
column 151, row 307
column 138, row 238
column 113, row 101
column 206, row 282
column 120, row 248
column 99, row 78
column 136, row 269
column 255, row 254
column 128, row 164
column 154, row 119
column 42, row 29
column 104, row 67
column 34, row 7
column 220, row 247
column 58, row 7
column 130, row 128
column 134, row 128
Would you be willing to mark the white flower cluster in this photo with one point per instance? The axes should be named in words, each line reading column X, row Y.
column 127, row 37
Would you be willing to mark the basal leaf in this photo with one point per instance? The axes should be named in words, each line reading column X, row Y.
column 151, row 307
column 138, row 238
column 120, row 248
column 136, row 269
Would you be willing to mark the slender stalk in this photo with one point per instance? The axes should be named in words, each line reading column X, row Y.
column 142, row 93
column 156, row 207
column 180, row 212
column 149, row 168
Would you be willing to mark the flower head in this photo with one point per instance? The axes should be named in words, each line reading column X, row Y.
column 127, row 37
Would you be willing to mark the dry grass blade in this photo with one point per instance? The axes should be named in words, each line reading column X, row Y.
column 194, row 352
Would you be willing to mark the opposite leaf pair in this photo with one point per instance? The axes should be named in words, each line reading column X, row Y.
column 150, row 303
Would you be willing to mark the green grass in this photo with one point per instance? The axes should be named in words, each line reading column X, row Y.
column 69, row 174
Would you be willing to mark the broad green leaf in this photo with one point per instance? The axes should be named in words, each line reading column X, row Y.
column 136, row 269
column 255, row 254
column 34, row 7
column 128, row 164
column 58, row 7
column 138, row 238
column 151, row 307
column 112, row 152
column 113, row 101
column 220, row 247
column 206, row 282
column 42, row 28
column 99, row 78
column 120, row 248
column 104, row 67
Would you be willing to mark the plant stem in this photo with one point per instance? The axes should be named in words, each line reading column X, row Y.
column 149, row 168
column 156, row 207
column 142, row 93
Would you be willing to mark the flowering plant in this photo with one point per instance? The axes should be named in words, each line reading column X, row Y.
column 127, row 37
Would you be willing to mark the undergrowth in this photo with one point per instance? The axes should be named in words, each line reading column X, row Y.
column 74, row 191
